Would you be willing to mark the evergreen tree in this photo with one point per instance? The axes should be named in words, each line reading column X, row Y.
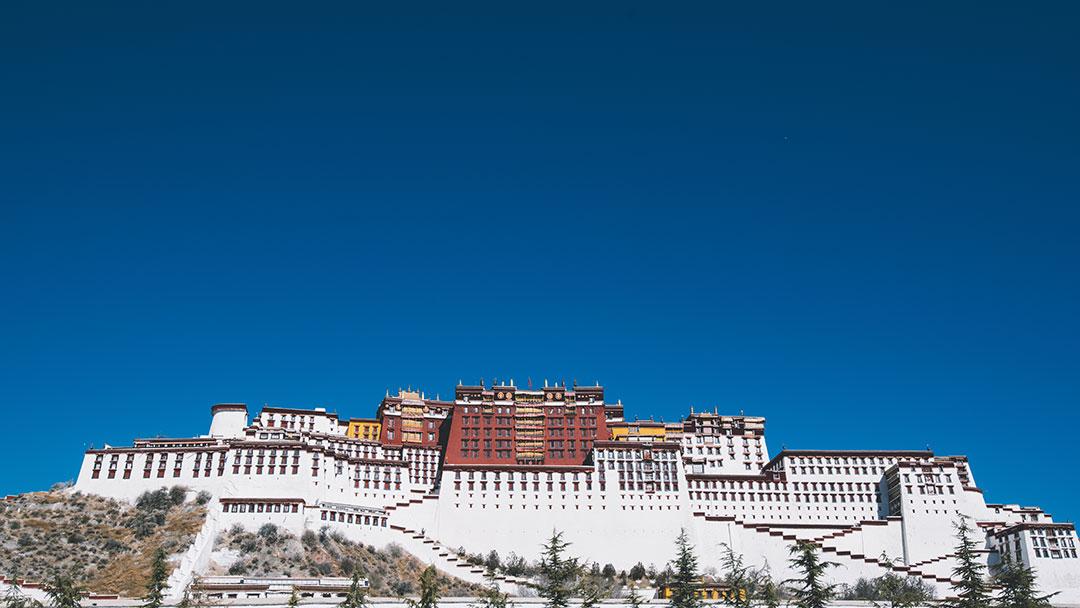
column 894, row 591
column 63, row 592
column 685, row 579
column 491, row 597
column 558, row 573
column 294, row 599
column 746, row 586
column 634, row 600
column 356, row 597
column 14, row 596
column 429, row 589
column 1018, row 587
column 591, row 592
column 811, row 591
column 159, row 577
column 969, row 575
column 741, row 581
column 767, row 589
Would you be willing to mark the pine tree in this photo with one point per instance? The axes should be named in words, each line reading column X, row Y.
column 14, row 596
column 811, row 591
column 1018, row 587
column 429, row 589
column 491, row 597
column 558, row 573
column 294, row 599
column 634, row 600
column 740, row 580
column 159, row 577
column 969, row 575
column 356, row 597
column 895, row 591
column 63, row 592
column 685, row 580
column 591, row 590
column 768, row 590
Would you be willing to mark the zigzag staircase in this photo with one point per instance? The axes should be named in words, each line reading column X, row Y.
column 907, row 570
column 444, row 557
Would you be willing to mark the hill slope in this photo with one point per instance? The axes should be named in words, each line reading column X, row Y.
column 274, row 552
column 104, row 544
column 107, row 545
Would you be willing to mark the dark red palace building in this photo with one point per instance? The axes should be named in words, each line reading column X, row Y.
column 507, row 425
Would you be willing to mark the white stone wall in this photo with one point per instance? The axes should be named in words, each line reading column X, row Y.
column 838, row 500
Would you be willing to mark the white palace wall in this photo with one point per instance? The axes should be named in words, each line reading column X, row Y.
column 622, row 506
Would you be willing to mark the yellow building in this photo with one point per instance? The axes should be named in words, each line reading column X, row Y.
column 364, row 428
column 707, row 591
column 644, row 430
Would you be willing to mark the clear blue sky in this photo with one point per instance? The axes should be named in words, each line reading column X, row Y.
column 859, row 221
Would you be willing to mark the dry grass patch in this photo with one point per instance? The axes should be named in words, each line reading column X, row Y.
column 104, row 544
column 273, row 552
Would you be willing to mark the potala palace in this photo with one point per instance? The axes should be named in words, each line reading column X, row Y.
column 501, row 466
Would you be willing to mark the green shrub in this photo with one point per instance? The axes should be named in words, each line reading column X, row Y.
column 177, row 494
column 269, row 533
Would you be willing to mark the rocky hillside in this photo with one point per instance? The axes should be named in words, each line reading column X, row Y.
column 273, row 552
column 104, row 544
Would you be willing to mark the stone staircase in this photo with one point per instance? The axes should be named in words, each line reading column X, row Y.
column 907, row 570
column 446, row 559
column 197, row 555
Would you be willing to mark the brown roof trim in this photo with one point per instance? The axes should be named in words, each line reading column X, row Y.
column 648, row 423
column 539, row 468
column 273, row 443
column 861, row 453
column 175, row 439
column 1033, row 525
column 221, row 407
column 326, row 588
column 374, row 461
column 295, row 410
column 231, row 587
column 135, row 450
column 235, row 500
column 641, row 445
column 721, row 477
